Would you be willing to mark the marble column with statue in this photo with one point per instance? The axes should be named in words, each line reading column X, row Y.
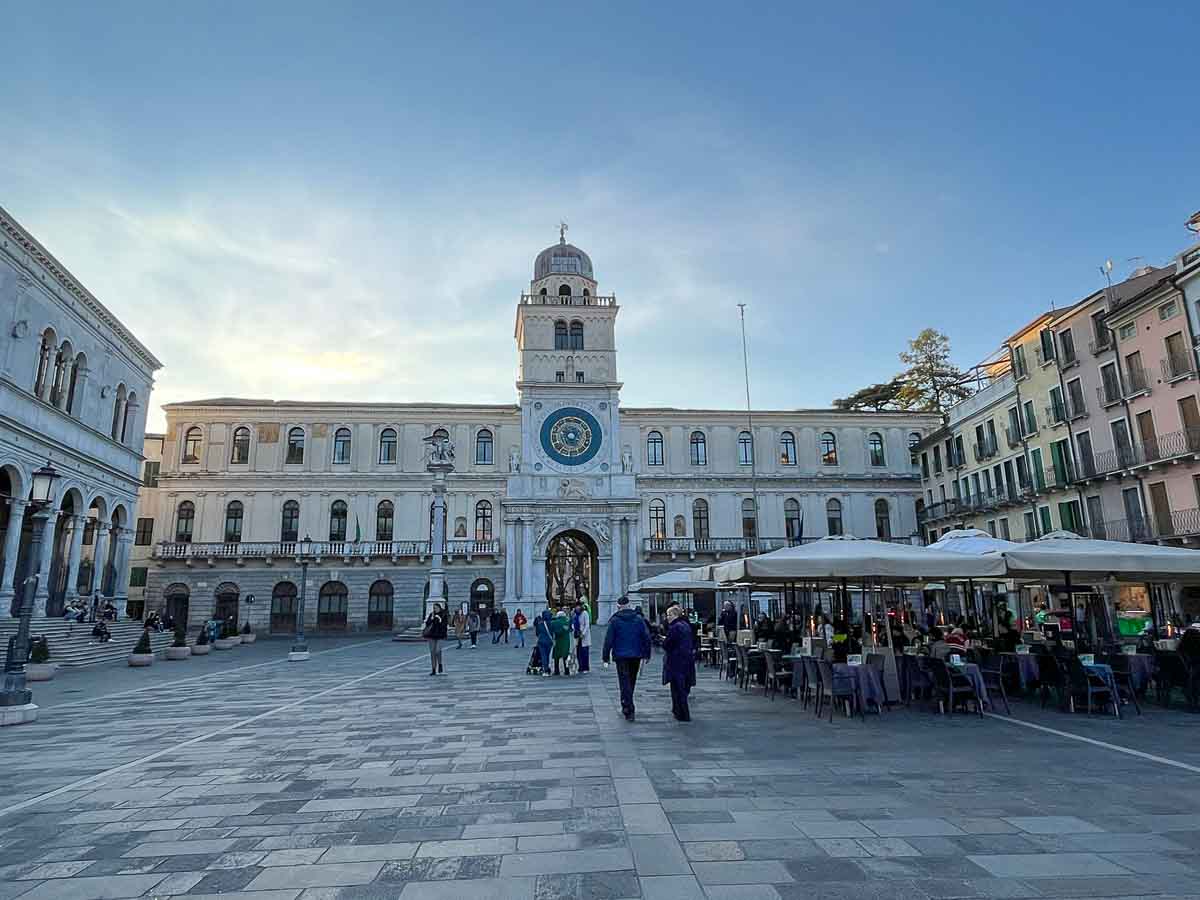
column 439, row 462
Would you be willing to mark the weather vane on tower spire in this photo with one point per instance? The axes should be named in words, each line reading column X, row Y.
column 562, row 232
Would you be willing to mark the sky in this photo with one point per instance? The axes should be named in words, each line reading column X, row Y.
column 314, row 201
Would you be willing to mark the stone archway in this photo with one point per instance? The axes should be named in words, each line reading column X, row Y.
column 572, row 570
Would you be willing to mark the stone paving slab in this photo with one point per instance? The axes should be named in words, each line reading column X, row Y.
column 382, row 789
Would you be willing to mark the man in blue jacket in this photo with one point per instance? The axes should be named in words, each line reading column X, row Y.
column 628, row 642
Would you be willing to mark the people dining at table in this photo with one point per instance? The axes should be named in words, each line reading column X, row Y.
column 764, row 629
column 938, row 646
column 783, row 636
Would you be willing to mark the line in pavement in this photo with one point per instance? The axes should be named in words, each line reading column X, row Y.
column 157, row 685
column 1107, row 746
column 84, row 782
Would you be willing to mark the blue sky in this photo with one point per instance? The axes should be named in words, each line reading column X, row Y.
column 343, row 201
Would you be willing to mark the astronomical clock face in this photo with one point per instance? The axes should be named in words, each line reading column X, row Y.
column 571, row 436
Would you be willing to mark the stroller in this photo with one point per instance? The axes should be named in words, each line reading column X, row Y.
column 535, row 663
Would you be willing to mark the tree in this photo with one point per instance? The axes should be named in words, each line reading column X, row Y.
column 931, row 382
column 876, row 397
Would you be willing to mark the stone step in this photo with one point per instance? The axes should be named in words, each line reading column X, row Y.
column 72, row 645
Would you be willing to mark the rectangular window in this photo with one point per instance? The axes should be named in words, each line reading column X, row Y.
column 1014, row 426
column 1047, row 522
column 1101, row 332
column 937, row 460
column 1031, row 426
column 1167, row 310
column 924, row 465
column 1066, row 342
column 1056, row 412
column 1110, row 384
column 137, row 576
column 1076, row 406
column 1128, row 330
column 579, row 377
column 144, row 535
column 560, row 377
column 150, row 473
column 89, row 532
column 1047, row 349
column 991, row 527
column 1004, row 533
column 1039, row 473
column 1178, row 362
column 1019, row 366
column 1030, row 526
column 1095, row 512
column 1023, row 472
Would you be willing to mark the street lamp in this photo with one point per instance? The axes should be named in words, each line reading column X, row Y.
column 16, row 700
column 300, row 646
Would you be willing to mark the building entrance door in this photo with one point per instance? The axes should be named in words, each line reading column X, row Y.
column 572, row 571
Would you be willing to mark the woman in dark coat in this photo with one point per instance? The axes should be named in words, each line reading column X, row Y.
column 545, row 640
column 679, row 664
column 434, row 634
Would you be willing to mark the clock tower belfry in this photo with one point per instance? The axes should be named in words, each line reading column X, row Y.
column 571, row 511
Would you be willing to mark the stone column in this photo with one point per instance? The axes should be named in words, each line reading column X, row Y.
column 124, row 539
column 12, row 547
column 527, row 561
column 510, row 564
column 99, row 558
column 631, row 553
column 43, row 568
column 73, row 556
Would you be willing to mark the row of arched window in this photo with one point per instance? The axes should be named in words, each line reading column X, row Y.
column 61, row 374
column 827, row 448
column 289, row 524
column 792, row 517
column 239, row 453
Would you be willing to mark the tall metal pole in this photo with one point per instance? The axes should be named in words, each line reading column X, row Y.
column 300, row 644
column 750, row 425
column 16, row 700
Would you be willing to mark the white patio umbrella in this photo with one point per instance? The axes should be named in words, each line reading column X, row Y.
column 678, row 581
column 848, row 557
column 1063, row 553
column 970, row 540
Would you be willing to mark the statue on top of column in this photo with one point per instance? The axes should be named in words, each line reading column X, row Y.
column 440, row 450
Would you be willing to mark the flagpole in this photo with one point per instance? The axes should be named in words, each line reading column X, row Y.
column 750, row 425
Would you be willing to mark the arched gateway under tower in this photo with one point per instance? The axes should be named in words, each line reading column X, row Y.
column 572, row 570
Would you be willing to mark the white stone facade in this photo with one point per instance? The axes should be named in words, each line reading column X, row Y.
column 74, row 390
column 631, row 486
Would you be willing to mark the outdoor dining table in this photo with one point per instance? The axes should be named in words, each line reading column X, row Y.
column 1026, row 665
column 971, row 670
column 867, row 682
column 1105, row 672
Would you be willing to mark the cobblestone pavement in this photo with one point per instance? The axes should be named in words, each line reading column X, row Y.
column 356, row 775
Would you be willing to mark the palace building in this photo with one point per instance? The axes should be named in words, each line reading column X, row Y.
column 563, row 494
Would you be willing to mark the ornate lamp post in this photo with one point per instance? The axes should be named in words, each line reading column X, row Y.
column 16, row 700
column 304, row 556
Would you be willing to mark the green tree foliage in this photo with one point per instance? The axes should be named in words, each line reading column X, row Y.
column 874, row 397
column 929, row 383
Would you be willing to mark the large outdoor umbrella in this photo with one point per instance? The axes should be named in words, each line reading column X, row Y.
column 974, row 542
column 844, row 556
column 1065, row 553
column 677, row 582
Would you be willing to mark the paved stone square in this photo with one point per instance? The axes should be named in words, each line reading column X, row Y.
column 356, row 775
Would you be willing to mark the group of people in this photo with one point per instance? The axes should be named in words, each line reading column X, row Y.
column 79, row 610
column 565, row 638
column 467, row 625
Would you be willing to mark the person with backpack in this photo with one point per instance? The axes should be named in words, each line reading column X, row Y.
column 473, row 627
column 581, row 624
column 628, row 642
column 519, row 622
column 434, row 633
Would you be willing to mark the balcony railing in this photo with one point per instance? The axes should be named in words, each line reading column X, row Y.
column 1014, row 440
column 1044, row 358
column 244, row 550
column 1100, row 345
column 1178, row 365
column 561, row 300
column 1109, row 393
column 1056, row 414
column 1067, row 358
column 1137, row 382
column 986, row 450
column 1076, row 407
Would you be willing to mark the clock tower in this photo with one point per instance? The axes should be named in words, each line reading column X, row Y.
column 571, row 511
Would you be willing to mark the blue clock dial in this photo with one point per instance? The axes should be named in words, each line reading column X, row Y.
column 571, row 436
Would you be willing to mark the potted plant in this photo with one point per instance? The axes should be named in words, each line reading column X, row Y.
column 202, row 647
column 248, row 635
column 228, row 638
column 143, row 653
column 179, row 649
column 232, row 632
column 39, row 667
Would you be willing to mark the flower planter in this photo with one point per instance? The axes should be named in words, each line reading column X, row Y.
column 179, row 652
column 141, row 659
column 249, row 638
column 224, row 643
column 237, row 639
column 201, row 649
column 39, row 671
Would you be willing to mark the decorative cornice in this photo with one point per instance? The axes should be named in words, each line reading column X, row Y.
column 44, row 258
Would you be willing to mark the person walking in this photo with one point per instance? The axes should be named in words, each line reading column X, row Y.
column 545, row 640
column 583, row 637
column 473, row 627
column 434, row 633
column 504, row 624
column 519, row 621
column 459, row 623
column 494, row 625
column 628, row 642
column 728, row 621
column 560, row 629
column 679, row 663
